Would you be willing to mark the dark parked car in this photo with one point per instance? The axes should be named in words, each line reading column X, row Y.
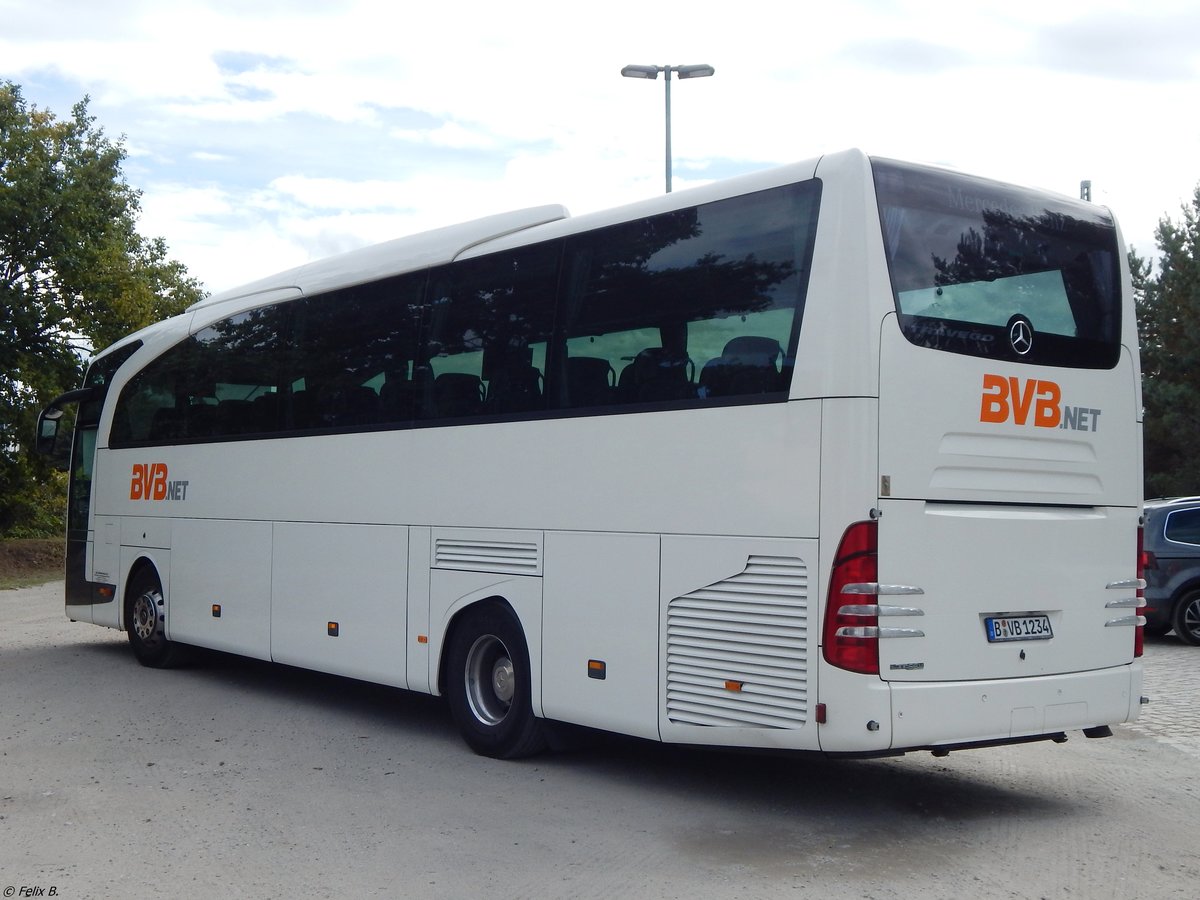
column 1172, row 562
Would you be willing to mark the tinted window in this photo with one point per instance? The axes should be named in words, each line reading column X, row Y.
column 698, row 304
column 223, row 381
column 353, row 362
column 490, row 324
column 969, row 258
column 1184, row 526
column 695, row 306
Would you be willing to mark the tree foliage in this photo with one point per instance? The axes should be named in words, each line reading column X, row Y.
column 1168, row 308
column 75, row 275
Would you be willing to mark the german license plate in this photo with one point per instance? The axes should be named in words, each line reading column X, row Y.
column 1018, row 628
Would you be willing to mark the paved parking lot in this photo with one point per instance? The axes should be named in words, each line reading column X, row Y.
column 236, row 778
column 1172, row 684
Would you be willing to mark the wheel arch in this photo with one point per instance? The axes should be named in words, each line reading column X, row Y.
column 1184, row 589
column 454, row 595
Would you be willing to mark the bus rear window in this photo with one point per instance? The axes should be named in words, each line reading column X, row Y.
column 991, row 270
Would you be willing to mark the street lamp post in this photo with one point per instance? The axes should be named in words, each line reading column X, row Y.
column 651, row 72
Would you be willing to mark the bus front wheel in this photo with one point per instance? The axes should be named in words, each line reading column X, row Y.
column 146, row 619
column 488, row 682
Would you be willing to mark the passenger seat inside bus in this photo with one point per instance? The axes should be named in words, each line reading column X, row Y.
column 397, row 396
column 349, row 406
column 457, row 394
column 514, row 384
column 657, row 374
column 748, row 364
column 591, row 381
column 235, row 417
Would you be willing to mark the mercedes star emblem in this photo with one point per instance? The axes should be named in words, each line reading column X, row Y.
column 1020, row 335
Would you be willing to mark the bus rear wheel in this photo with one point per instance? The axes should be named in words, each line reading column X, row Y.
column 488, row 682
column 146, row 619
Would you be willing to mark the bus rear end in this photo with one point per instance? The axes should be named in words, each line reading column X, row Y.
column 994, row 589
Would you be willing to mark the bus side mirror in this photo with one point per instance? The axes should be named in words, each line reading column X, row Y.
column 52, row 439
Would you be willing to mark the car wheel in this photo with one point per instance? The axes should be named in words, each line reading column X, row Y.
column 488, row 682
column 146, row 619
column 1186, row 618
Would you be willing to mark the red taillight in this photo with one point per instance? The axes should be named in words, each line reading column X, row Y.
column 1145, row 560
column 851, row 638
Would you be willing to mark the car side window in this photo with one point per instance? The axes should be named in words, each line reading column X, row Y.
column 1183, row 527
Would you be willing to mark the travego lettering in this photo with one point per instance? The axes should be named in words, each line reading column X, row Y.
column 1034, row 402
column 150, row 481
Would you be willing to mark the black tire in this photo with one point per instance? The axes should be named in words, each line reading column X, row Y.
column 1186, row 618
column 488, row 681
column 145, row 621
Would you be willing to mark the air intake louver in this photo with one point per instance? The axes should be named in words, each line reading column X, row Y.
column 514, row 557
column 737, row 650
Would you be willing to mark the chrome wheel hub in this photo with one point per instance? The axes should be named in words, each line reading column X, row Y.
column 145, row 615
column 490, row 680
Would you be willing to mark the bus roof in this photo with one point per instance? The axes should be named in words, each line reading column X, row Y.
column 444, row 245
column 418, row 251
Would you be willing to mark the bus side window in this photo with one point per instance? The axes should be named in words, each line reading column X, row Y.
column 719, row 285
column 152, row 408
column 488, row 333
column 353, row 351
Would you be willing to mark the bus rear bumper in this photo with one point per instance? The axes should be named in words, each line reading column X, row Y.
column 1012, row 710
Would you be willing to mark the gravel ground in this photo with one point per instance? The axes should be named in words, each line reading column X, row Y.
column 236, row 778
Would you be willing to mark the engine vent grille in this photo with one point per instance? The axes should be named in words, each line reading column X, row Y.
column 513, row 557
column 737, row 650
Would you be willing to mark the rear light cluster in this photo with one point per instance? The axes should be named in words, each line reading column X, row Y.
column 851, row 636
column 1145, row 560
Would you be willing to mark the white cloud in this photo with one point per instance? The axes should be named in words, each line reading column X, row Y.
column 263, row 134
column 340, row 194
column 450, row 134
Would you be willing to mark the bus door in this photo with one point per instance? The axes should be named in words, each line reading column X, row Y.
column 84, row 587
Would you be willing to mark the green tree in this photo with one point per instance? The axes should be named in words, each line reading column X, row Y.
column 75, row 275
column 1168, row 306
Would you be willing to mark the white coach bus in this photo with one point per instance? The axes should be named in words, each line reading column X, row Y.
column 840, row 457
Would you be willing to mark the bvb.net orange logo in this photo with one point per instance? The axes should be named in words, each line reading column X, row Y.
column 1014, row 399
column 149, row 481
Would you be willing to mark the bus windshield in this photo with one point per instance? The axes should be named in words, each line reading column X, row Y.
column 970, row 259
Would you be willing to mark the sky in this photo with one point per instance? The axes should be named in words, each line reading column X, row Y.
column 265, row 133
